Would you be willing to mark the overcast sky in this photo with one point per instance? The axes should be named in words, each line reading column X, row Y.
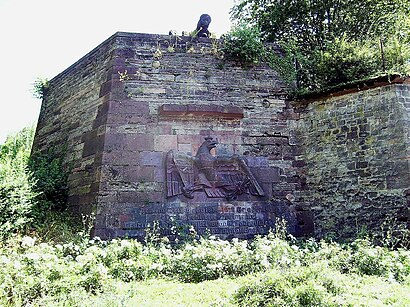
column 40, row 38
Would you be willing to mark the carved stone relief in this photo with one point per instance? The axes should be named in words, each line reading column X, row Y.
column 218, row 176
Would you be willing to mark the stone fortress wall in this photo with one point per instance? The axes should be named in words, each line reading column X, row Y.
column 357, row 153
column 119, row 111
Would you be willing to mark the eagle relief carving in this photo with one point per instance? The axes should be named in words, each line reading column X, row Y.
column 218, row 176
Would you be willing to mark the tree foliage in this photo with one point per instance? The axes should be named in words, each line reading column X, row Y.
column 330, row 42
column 313, row 23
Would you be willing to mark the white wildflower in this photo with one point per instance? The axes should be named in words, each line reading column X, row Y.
column 125, row 243
column 27, row 241
column 4, row 260
column 17, row 265
column 32, row 256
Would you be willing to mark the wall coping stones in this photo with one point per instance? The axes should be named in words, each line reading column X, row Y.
column 350, row 88
column 182, row 40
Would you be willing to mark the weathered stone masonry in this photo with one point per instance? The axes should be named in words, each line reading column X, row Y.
column 357, row 159
column 122, row 107
column 72, row 123
column 116, row 113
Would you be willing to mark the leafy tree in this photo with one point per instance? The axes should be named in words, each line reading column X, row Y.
column 330, row 42
column 313, row 23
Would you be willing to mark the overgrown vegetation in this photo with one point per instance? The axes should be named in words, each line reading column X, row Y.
column 40, row 88
column 51, row 179
column 55, row 265
column 278, row 272
column 324, row 44
column 31, row 188
column 17, row 195
column 243, row 44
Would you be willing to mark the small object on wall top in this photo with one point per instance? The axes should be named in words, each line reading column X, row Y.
column 203, row 24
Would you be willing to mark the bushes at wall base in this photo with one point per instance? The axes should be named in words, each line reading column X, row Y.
column 17, row 196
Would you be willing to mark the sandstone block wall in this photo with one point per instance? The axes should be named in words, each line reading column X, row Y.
column 122, row 107
column 116, row 113
column 70, row 123
column 356, row 149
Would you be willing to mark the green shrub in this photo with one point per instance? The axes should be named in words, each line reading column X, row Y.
column 17, row 197
column 320, row 285
column 40, row 88
column 210, row 259
column 51, row 177
column 344, row 61
column 127, row 260
column 308, row 286
column 379, row 261
column 31, row 188
column 244, row 45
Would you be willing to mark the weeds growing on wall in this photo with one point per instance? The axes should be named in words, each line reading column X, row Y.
column 244, row 45
column 40, row 88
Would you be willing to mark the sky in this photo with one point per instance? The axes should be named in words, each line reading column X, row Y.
column 41, row 38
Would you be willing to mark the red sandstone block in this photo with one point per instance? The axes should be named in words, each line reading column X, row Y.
column 112, row 157
column 127, row 196
column 103, row 108
column 159, row 175
column 172, row 109
column 266, row 174
column 115, row 120
column 190, row 139
column 105, row 89
column 165, row 142
column 157, row 197
column 92, row 144
column 115, row 141
column 149, row 197
column 118, row 90
column 210, row 110
column 130, row 157
column 139, row 173
column 186, row 148
column 151, row 158
column 139, row 142
column 129, row 107
column 163, row 129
